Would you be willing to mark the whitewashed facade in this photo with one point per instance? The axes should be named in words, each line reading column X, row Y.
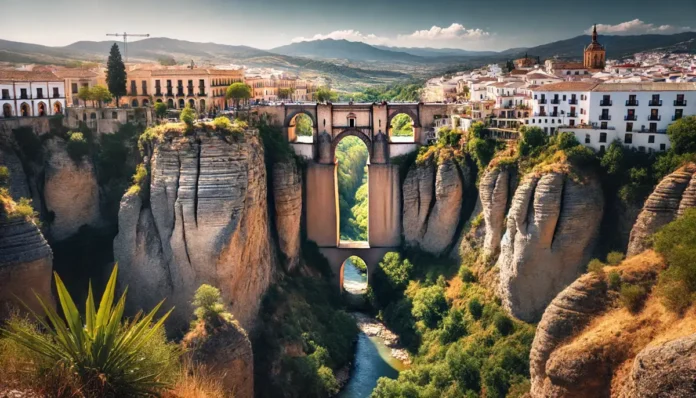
column 27, row 94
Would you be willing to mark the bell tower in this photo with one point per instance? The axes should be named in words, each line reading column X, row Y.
column 595, row 54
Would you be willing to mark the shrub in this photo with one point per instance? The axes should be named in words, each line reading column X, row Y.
column 139, row 180
column 111, row 357
column 596, row 266
column 677, row 243
column 615, row 258
column 565, row 140
column 475, row 308
column 496, row 381
column 391, row 277
column 532, row 139
column 209, row 307
column 614, row 280
column 466, row 274
column 187, row 116
column 464, row 368
column 77, row 146
column 675, row 294
column 503, row 323
column 682, row 135
column 4, row 176
column 429, row 305
column 160, row 109
column 632, row 296
column 449, row 137
column 222, row 123
column 481, row 151
column 453, row 327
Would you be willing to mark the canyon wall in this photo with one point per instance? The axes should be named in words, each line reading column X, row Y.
column 287, row 196
column 205, row 220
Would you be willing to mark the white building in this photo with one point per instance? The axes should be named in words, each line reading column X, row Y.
column 28, row 93
column 637, row 114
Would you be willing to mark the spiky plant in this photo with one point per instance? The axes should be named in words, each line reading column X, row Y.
column 104, row 351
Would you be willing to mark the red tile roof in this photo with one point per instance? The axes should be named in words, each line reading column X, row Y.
column 567, row 86
column 27, row 76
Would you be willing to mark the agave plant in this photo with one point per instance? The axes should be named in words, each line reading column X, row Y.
column 103, row 350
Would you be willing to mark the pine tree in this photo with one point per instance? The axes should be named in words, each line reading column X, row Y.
column 116, row 74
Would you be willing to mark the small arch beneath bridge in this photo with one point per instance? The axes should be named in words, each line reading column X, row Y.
column 338, row 255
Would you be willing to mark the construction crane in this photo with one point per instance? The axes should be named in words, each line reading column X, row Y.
column 125, row 40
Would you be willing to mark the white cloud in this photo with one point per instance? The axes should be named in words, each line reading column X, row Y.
column 453, row 35
column 637, row 27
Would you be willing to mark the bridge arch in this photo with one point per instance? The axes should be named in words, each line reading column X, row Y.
column 337, row 256
column 291, row 116
column 352, row 132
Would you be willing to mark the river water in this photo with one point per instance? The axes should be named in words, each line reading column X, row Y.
column 372, row 357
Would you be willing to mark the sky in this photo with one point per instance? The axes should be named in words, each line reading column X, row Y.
column 471, row 25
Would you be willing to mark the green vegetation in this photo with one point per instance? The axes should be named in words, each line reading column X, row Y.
column 285, row 93
column 464, row 343
column 596, row 266
column 632, row 296
column 302, row 339
column 238, row 92
column 77, row 146
column 209, row 307
column 358, row 263
column 303, row 125
column 188, row 116
column 352, row 155
column 615, row 258
column 614, row 280
column 4, row 176
column 682, row 135
column 402, row 126
column 116, row 74
column 676, row 242
column 16, row 210
column 401, row 92
column 98, row 94
column 106, row 355
column 325, row 94
column 160, row 110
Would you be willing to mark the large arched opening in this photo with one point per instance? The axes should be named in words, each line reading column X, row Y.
column 352, row 157
column 25, row 110
column 401, row 128
column 42, row 109
column 57, row 108
column 354, row 280
column 7, row 110
column 301, row 128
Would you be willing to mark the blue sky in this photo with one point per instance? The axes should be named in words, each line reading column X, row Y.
column 473, row 25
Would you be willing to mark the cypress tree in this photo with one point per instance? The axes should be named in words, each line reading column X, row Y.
column 116, row 74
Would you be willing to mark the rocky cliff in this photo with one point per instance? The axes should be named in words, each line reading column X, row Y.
column 674, row 194
column 494, row 191
column 433, row 200
column 588, row 346
column 287, row 195
column 552, row 227
column 205, row 220
column 70, row 191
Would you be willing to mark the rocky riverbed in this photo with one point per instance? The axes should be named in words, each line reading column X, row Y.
column 374, row 328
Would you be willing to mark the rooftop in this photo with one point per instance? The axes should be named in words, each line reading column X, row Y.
column 645, row 86
column 567, row 86
column 27, row 76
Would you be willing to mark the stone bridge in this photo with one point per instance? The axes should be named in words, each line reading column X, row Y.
column 371, row 123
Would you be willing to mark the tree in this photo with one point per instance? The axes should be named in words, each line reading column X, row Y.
column 116, row 74
column 101, row 94
column 160, row 109
column 324, row 94
column 85, row 94
column 188, row 115
column 532, row 138
column 237, row 92
column 285, row 93
column 682, row 135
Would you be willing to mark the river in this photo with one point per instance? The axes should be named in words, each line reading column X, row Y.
column 373, row 358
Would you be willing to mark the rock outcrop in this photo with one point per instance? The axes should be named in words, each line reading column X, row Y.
column 552, row 227
column 494, row 191
column 224, row 350
column 26, row 263
column 666, row 370
column 672, row 196
column 287, row 196
column 205, row 221
column 433, row 200
column 18, row 186
column 70, row 191
column 567, row 314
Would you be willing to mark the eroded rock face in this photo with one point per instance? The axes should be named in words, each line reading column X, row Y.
column 18, row 186
column 666, row 370
column 207, row 222
column 672, row 196
column 225, row 350
column 70, row 191
column 567, row 314
column 433, row 199
column 494, row 192
column 287, row 194
column 552, row 227
column 26, row 264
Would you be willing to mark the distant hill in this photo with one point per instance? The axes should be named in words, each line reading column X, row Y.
column 344, row 49
column 437, row 52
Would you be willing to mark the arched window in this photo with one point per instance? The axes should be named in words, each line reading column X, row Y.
column 170, row 103
column 92, row 115
column 7, row 110
column 42, row 109
column 24, row 110
column 134, row 103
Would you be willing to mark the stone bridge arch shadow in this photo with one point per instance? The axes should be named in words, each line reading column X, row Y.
column 337, row 257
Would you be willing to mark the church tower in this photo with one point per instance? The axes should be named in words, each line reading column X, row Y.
column 595, row 55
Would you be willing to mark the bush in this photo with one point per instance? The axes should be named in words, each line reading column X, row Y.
column 187, row 116
column 109, row 356
column 475, row 308
column 532, row 139
column 503, row 324
column 140, row 180
column 222, row 123
column 632, row 296
column 209, row 307
column 160, row 109
column 675, row 294
column 391, row 277
column 481, row 151
column 615, row 258
column 595, row 266
column 496, row 381
column 453, row 327
column 466, row 274
column 77, row 146
column 677, row 243
column 682, row 135
column 614, row 280
column 4, row 176
column 429, row 305
column 464, row 368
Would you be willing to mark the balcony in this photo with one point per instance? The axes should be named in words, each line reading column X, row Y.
column 144, row 92
column 605, row 103
column 630, row 117
column 676, row 117
column 56, row 95
column 679, row 103
column 655, row 103
column 23, row 96
column 132, row 93
column 39, row 96
column 632, row 103
column 651, row 131
column 572, row 114
column 158, row 93
column 573, row 101
column 542, row 101
column 555, row 101
column 6, row 97
column 655, row 118
column 604, row 117
column 202, row 93
column 170, row 93
column 553, row 114
column 541, row 114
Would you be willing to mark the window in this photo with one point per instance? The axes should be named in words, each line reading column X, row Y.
column 587, row 139
column 5, row 93
column 629, row 127
column 133, row 89
column 23, row 93
column 144, row 86
column 564, row 97
column 603, row 125
column 602, row 137
column 653, row 127
column 351, row 122
column 641, row 148
column 567, row 72
column 74, row 88
column 651, row 139
column 56, row 92
column 114, row 115
column 546, row 130
column 678, row 113
column 628, row 138
column 39, row 93
column 663, row 147
column 602, row 148
column 572, row 122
